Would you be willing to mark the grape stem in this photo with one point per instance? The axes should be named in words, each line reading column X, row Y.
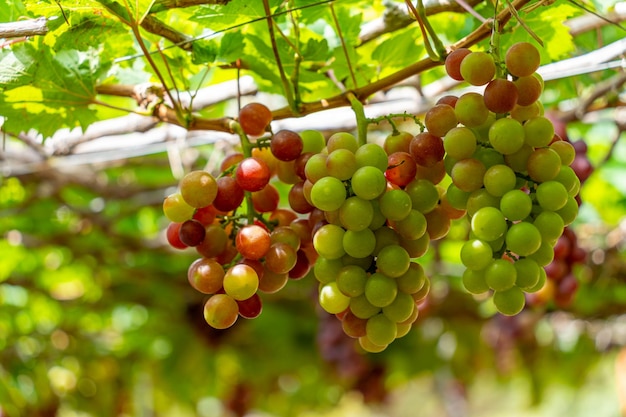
column 361, row 120
column 246, row 149
column 389, row 118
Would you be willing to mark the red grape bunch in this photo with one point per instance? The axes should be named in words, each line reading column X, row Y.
column 510, row 171
column 242, row 253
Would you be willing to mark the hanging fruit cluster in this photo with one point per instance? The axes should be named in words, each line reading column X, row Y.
column 360, row 215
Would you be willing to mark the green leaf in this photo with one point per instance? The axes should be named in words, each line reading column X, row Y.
column 233, row 14
column 52, row 91
column 203, row 51
column 231, row 46
column 17, row 66
column 88, row 30
column 11, row 10
column 397, row 51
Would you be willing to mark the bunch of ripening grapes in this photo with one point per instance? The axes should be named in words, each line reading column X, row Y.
column 509, row 171
column 248, row 244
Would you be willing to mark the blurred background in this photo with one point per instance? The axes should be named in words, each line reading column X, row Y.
column 97, row 317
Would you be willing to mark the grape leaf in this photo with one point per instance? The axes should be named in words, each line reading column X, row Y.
column 397, row 51
column 234, row 13
column 11, row 10
column 232, row 45
column 51, row 91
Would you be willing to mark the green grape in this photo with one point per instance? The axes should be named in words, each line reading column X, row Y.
column 366, row 262
column 395, row 204
column 380, row 330
column 423, row 193
column 385, row 236
column 527, row 273
column 543, row 164
column 380, row 290
column 368, row 346
column 460, row 142
column 479, row 199
column 331, row 299
column 467, row 174
column 550, row 225
column 499, row 179
column 509, row 302
column 552, row 195
column 516, row 205
column 342, row 140
column 476, row 254
column 523, row 238
column 412, row 226
column 351, row 280
column 474, row 281
column 457, row 197
column 404, row 328
column 341, row 164
column 315, row 167
column 400, row 309
column 421, row 295
column 312, row 140
column 368, row 182
column 379, row 219
column 371, row 155
column 328, row 241
column 540, row 282
column 569, row 211
column 500, row 275
column 489, row 157
column 521, row 113
column 356, row 214
column 478, row 68
column 482, row 130
column 488, row 224
column 566, row 151
column 241, row 281
column 506, row 135
column 568, row 178
column 412, row 280
column 518, row 161
column 327, row 270
column 362, row 308
column 538, row 131
column 359, row 244
column 393, row 260
column 328, row 193
column 470, row 110
column 416, row 248
column 398, row 142
column 544, row 255
column 176, row 209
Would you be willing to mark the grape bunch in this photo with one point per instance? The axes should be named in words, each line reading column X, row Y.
column 242, row 253
column 381, row 208
column 510, row 171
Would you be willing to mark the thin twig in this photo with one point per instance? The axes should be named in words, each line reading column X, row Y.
column 343, row 45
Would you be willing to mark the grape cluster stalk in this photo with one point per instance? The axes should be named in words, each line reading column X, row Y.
column 359, row 216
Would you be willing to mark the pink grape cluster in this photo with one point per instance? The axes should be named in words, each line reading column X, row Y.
column 241, row 254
